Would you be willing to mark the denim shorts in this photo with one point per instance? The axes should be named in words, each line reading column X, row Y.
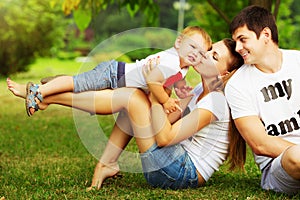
column 103, row 76
column 275, row 178
column 169, row 167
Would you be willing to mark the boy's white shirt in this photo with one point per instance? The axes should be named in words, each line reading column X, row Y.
column 169, row 65
column 273, row 97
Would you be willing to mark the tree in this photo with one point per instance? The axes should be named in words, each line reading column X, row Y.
column 27, row 29
column 85, row 10
column 215, row 16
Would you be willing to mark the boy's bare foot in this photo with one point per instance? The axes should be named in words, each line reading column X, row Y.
column 101, row 173
column 17, row 89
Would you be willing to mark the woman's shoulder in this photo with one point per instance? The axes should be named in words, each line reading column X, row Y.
column 214, row 98
column 216, row 103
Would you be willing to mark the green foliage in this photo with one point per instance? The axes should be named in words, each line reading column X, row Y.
column 288, row 25
column 82, row 18
column 27, row 29
column 208, row 18
column 66, row 55
column 88, row 9
column 136, row 43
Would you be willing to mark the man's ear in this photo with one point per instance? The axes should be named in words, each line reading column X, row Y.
column 266, row 33
column 178, row 41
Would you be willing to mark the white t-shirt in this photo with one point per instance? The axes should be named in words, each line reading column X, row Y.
column 169, row 65
column 273, row 97
column 209, row 146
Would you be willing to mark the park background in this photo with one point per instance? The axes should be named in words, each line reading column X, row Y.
column 43, row 157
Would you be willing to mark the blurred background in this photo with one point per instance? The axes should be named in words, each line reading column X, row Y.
column 68, row 29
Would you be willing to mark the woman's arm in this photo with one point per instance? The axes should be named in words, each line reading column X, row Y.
column 167, row 134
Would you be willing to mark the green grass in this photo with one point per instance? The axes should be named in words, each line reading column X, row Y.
column 42, row 157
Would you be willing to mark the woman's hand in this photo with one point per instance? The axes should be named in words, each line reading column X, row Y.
column 151, row 64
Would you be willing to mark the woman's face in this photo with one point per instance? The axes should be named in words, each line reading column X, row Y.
column 215, row 62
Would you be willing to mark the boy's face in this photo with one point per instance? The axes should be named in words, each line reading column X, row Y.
column 191, row 49
column 216, row 61
column 248, row 46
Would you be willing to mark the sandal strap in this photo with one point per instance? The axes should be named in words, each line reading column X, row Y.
column 32, row 92
column 31, row 102
column 34, row 89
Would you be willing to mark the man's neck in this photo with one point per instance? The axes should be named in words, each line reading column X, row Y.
column 271, row 62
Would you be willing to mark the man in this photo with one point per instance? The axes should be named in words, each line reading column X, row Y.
column 264, row 97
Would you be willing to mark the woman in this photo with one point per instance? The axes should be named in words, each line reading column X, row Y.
column 185, row 139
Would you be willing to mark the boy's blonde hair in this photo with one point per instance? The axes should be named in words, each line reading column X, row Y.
column 190, row 30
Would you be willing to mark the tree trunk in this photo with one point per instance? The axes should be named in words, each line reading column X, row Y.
column 267, row 4
column 263, row 3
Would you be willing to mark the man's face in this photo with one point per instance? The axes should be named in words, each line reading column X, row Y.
column 248, row 46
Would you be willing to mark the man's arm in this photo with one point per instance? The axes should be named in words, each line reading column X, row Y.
column 252, row 130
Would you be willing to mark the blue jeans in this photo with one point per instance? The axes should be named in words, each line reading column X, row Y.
column 169, row 168
column 103, row 76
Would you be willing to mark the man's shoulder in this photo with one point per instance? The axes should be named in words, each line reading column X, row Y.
column 239, row 81
column 291, row 52
column 240, row 73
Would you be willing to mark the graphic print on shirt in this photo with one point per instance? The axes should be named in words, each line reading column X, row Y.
column 280, row 90
column 284, row 88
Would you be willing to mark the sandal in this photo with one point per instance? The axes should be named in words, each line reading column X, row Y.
column 32, row 92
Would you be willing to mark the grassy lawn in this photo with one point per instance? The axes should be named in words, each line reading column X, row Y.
column 43, row 157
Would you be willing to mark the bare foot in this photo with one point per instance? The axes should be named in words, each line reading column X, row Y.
column 17, row 89
column 101, row 173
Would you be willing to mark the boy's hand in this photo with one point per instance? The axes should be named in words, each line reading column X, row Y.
column 183, row 91
column 171, row 105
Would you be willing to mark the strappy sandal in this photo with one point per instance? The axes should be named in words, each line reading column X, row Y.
column 32, row 92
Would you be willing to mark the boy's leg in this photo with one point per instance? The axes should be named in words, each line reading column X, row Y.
column 103, row 76
column 59, row 84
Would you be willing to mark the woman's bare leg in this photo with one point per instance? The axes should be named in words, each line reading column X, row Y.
column 100, row 102
column 107, row 165
column 139, row 114
column 132, row 100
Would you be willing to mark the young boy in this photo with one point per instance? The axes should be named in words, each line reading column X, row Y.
column 187, row 51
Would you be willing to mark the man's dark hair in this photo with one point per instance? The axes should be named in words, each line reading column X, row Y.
column 256, row 18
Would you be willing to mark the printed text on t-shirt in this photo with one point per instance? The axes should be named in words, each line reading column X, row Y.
column 283, row 88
